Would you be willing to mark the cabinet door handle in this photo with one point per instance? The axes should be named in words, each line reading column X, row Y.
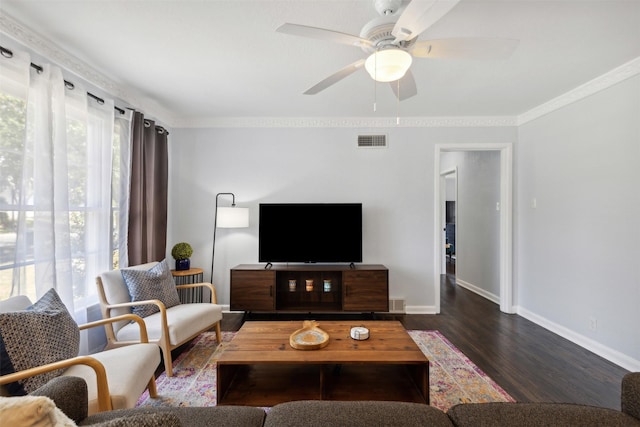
column 270, row 291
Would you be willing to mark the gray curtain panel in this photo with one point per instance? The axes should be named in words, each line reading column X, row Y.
column 149, row 181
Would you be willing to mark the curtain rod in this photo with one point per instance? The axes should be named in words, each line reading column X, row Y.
column 7, row 53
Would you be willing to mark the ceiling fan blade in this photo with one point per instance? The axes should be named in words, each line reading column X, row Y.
column 323, row 34
column 335, row 77
column 465, row 48
column 407, row 87
column 420, row 15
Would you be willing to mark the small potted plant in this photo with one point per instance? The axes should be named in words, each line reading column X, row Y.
column 181, row 252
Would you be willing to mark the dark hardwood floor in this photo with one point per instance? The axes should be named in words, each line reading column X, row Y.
column 531, row 363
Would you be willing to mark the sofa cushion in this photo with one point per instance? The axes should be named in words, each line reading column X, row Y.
column 536, row 414
column 155, row 283
column 43, row 333
column 163, row 419
column 228, row 416
column 630, row 394
column 320, row 413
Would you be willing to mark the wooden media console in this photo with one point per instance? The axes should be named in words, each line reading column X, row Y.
column 310, row 288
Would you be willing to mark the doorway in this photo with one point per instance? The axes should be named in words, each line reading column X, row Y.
column 505, row 218
column 449, row 186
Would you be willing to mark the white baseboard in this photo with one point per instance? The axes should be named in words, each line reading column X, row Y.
column 421, row 309
column 610, row 354
column 475, row 289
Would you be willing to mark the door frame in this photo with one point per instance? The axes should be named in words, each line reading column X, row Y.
column 443, row 177
column 506, row 217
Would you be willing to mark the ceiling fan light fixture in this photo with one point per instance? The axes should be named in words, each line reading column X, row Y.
column 388, row 65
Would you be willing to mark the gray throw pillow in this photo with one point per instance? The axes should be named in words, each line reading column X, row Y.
column 156, row 283
column 43, row 333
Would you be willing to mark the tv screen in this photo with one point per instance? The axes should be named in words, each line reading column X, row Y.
column 310, row 232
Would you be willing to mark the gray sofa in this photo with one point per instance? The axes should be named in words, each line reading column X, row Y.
column 360, row 413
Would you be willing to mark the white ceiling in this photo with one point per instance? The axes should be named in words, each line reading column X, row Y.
column 196, row 60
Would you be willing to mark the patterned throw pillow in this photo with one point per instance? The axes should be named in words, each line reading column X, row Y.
column 43, row 333
column 156, row 283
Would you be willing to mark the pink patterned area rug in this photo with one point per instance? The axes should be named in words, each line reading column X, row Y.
column 453, row 378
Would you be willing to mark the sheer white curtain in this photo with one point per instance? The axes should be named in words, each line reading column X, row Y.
column 45, row 166
column 56, row 197
column 90, row 132
column 121, row 186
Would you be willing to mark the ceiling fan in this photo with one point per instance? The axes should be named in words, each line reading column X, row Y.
column 391, row 42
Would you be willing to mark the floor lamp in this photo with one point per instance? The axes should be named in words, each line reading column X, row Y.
column 227, row 217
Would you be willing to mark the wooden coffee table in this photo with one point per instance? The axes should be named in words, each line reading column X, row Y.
column 260, row 368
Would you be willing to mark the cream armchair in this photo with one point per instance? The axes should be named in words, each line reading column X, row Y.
column 115, row 378
column 169, row 328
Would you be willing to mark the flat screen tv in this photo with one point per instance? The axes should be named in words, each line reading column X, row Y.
column 310, row 232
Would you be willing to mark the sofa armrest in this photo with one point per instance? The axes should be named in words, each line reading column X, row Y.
column 69, row 394
column 104, row 398
column 144, row 337
column 212, row 289
column 630, row 396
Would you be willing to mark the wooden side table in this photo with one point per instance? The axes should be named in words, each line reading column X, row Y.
column 186, row 277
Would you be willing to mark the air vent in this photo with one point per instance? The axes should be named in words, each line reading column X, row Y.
column 372, row 141
column 397, row 305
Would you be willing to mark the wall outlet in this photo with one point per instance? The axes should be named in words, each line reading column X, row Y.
column 593, row 323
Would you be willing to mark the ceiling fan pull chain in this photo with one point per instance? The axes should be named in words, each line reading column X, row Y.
column 375, row 96
column 375, row 85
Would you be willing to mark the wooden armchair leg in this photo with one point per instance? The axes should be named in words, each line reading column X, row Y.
column 153, row 391
column 218, row 333
column 168, row 369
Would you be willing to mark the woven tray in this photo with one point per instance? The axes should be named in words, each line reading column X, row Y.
column 310, row 337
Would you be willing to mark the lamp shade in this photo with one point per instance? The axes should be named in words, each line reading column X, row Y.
column 233, row 217
column 388, row 65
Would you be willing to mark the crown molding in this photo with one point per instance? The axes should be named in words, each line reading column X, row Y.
column 613, row 77
column 41, row 46
column 346, row 122
column 52, row 52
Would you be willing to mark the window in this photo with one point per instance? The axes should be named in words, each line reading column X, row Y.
column 61, row 181
column 12, row 125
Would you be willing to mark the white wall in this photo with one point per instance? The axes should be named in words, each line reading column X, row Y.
column 577, row 251
column 394, row 184
column 575, row 254
column 477, row 220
